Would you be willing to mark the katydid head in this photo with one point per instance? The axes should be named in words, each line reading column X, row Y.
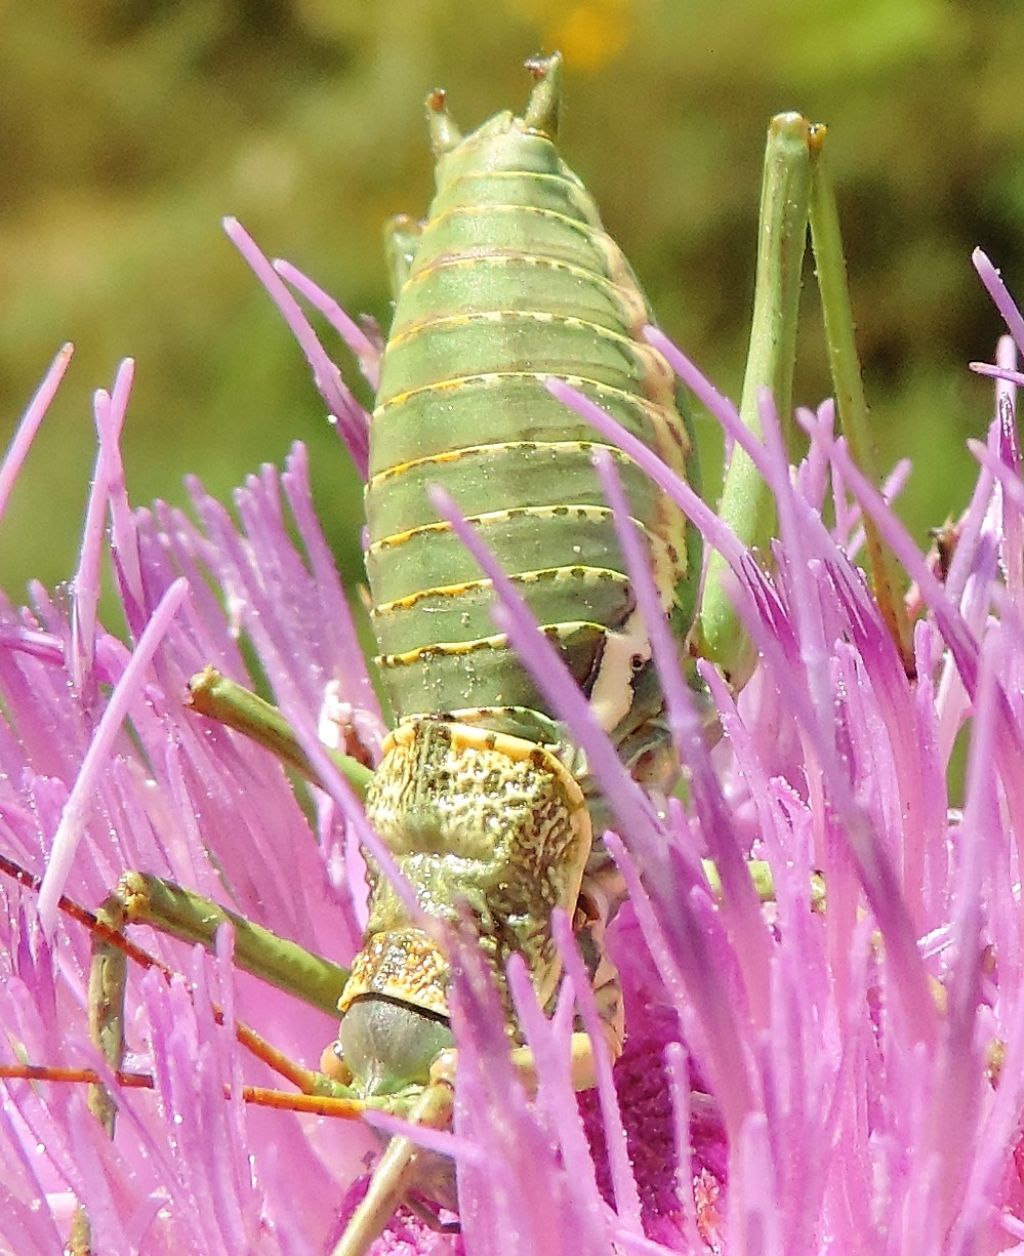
column 385, row 1046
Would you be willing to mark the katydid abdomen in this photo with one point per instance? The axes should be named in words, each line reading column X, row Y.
column 513, row 280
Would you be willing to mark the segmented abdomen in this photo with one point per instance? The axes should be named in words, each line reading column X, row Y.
column 514, row 280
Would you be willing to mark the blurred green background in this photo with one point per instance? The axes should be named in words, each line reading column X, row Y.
column 130, row 127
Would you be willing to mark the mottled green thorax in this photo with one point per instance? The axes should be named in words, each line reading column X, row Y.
column 484, row 827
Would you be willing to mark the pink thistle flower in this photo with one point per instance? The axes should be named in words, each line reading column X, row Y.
column 797, row 1077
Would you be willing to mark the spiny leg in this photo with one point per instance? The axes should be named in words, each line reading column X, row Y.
column 603, row 889
column 286, row 965
column 851, row 404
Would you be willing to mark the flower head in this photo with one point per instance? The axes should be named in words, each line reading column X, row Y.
column 806, row 1069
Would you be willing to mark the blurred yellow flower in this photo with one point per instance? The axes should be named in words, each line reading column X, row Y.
column 589, row 34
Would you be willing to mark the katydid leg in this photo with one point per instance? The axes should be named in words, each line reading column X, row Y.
column 143, row 899
column 218, row 698
column 830, row 267
column 747, row 504
column 797, row 193
column 401, row 239
column 103, row 931
column 146, row 899
column 396, row 1170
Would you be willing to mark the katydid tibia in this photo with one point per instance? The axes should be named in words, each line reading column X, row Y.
column 510, row 281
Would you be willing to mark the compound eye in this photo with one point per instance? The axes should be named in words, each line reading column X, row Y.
column 389, row 1045
column 334, row 1065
